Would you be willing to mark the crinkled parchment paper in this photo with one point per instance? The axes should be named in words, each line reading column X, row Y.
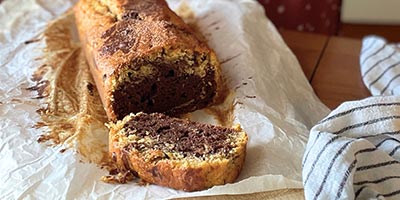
column 271, row 99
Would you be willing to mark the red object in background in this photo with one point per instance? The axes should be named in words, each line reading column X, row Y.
column 321, row 16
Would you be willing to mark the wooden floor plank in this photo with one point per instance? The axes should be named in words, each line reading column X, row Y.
column 307, row 47
column 391, row 33
column 337, row 77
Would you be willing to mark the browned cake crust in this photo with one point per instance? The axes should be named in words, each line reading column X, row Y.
column 143, row 57
column 177, row 153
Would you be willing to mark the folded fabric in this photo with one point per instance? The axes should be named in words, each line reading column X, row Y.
column 380, row 66
column 354, row 153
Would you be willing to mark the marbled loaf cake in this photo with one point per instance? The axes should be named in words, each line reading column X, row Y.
column 143, row 57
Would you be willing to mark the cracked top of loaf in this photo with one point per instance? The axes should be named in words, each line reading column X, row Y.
column 125, row 31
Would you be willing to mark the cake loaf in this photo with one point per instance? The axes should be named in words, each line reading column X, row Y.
column 177, row 153
column 143, row 57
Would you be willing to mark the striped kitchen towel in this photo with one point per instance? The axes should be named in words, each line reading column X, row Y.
column 354, row 153
column 380, row 66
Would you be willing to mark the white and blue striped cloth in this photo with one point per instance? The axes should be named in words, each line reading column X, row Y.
column 354, row 153
column 380, row 66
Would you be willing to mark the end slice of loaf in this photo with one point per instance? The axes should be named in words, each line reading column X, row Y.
column 177, row 153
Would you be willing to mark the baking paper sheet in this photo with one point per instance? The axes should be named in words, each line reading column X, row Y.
column 277, row 106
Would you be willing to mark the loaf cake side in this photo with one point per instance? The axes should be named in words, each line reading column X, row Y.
column 143, row 57
column 177, row 153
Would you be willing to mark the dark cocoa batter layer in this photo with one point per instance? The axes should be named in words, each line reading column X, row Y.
column 168, row 91
column 176, row 135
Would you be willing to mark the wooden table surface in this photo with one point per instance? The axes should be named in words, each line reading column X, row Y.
column 331, row 64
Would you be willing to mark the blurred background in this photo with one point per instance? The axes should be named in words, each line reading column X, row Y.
column 348, row 18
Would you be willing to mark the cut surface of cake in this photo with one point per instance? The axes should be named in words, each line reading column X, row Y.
column 177, row 153
column 143, row 57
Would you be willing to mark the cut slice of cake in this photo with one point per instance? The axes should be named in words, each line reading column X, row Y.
column 177, row 153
